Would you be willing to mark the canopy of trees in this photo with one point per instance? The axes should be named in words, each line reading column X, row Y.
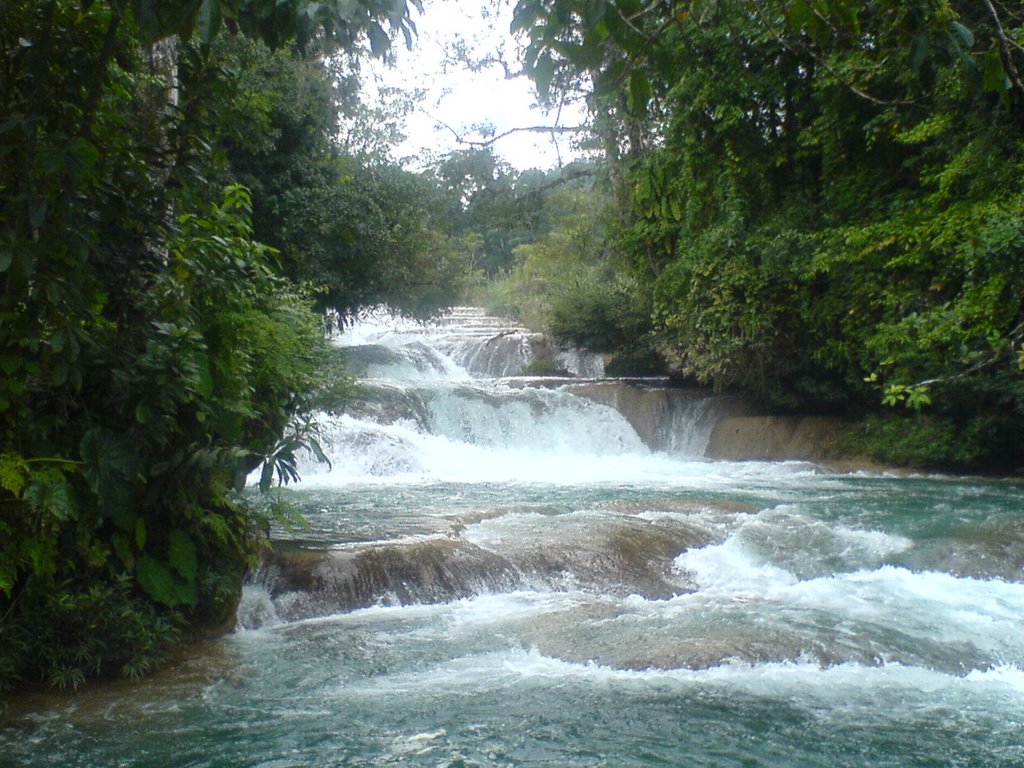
column 823, row 199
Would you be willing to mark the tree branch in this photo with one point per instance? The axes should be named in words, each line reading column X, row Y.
column 565, row 178
column 1005, row 54
column 821, row 61
column 549, row 129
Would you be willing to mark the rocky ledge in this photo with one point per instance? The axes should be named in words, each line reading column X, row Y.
column 808, row 438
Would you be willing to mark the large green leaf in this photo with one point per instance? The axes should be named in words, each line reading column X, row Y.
column 209, row 19
column 110, row 464
column 965, row 35
column 995, row 79
column 267, row 476
column 543, row 74
column 124, row 550
column 48, row 492
column 639, row 92
column 160, row 583
column 156, row 580
column 919, row 49
column 799, row 14
column 107, row 456
column 380, row 43
column 140, row 533
column 182, row 555
column 157, row 19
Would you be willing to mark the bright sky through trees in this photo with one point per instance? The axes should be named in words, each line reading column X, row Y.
column 463, row 68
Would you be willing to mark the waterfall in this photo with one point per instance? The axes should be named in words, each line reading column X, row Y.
column 449, row 400
column 675, row 420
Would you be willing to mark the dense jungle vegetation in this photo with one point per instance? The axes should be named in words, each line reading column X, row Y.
column 177, row 210
column 190, row 192
column 817, row 202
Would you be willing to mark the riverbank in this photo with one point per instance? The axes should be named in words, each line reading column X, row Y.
column 842, row 445
column 693, row 421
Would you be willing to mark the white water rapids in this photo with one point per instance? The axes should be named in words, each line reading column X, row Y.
column 504, row 570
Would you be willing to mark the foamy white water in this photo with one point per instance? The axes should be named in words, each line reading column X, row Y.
column 497, row 571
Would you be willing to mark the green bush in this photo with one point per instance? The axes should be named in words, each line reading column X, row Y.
column 151, row 353
column 545, row 366
column 86, row 630
column 823, row 201
column 985, row 443
column 210, row 372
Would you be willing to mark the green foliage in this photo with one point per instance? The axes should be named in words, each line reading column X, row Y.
column 190, row 400
column 600, row 312
column 566, row 283
column 485, row 206
column 545, row 366
column 493, row 209
column 78, row 633
column 564, row 260
column 152, row 354
column 824, row 199
column 335, row 23
column 377, row 236
column 983, row 443
column 726, row 308
column 360, row 228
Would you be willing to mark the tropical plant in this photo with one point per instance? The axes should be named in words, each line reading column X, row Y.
column 151, row 353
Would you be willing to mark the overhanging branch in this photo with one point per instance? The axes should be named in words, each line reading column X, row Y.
column 548, row 129
column 1005, row 54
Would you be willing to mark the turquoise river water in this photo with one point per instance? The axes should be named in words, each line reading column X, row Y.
column 508, row 576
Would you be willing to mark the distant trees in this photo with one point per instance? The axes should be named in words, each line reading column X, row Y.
column 490, row 206
column 361, row 229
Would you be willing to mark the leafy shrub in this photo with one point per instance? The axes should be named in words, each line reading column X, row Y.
column 212, row 370
column 984, row 443
column 545, row 366
column 85, row 630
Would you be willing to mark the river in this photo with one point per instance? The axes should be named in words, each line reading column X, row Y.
column 499, row 571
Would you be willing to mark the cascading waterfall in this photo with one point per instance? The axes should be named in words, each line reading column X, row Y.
column 450, row 401
column 505, row 570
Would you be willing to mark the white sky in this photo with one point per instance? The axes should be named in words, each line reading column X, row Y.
column 460, row 99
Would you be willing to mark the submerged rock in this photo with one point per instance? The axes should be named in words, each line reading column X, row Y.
column 625, row 554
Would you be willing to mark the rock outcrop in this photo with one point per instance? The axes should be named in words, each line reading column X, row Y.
column 777, row 438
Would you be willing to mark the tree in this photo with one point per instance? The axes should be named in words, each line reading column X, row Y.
column 824, row 196
column 361, row 229
column 497, row 208
column 151, row 352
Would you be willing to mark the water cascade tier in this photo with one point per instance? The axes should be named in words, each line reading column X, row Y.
column 503, row 569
